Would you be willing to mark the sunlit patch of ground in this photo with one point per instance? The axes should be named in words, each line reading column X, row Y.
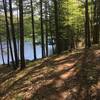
column 54, row 78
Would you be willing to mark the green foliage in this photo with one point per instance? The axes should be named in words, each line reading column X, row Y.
column 70, row 14
column 28, row 27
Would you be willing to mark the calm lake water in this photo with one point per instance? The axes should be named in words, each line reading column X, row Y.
column 28, row 51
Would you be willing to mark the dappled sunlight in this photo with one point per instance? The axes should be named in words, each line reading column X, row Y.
column 98, row 85
column 49, row 50
column 68, row 74
column 61, row 57
column 51, row 80
column 97, row 52
column 66, row 66
column 65, row 94
column 24, row 83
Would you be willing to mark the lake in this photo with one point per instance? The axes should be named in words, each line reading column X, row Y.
column 29, row 55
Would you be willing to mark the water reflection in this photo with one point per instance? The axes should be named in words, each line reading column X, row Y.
column 28, row 51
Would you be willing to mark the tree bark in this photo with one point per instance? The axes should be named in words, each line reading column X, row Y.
column 21, row 34
column 42, row 30
column 13, row 34
column 87, row 28
column 33, row 30
column 58, row 42
column 2, row 51
column 8, row 33
column 46, row 26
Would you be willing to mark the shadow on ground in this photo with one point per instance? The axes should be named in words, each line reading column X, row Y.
column 74, row 76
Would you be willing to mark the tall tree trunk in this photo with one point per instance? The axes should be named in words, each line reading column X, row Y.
column 2, row 51
column 8, row 33
column 58, row 42
column 8, row 61
column 21, row 34
column 42, row 30
column 13, row 34
column 91, row 19
column 96, row 21
column 33, row 31
column 87, row 28
column 50, row 29
column 72, row 42
column 18, row 41
column 46, row 26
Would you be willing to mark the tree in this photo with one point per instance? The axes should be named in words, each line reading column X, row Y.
column 2, row 51
column 21, row 34
column 50, row 28
column 13, row 34
column 8, row 34
column 46, row 25
column 96, row 21
column 42, row 29
column 58, row 42
column 32, row 16
column 87, row 28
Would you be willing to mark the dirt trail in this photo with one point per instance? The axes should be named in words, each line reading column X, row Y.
column 72, row 76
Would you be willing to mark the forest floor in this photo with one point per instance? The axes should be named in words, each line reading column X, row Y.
column 69, row 76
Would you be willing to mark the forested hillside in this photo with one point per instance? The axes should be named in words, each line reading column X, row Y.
column 49, row 49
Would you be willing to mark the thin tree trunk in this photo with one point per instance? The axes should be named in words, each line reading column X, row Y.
column 21, row 34
column 96, row 21
column 8, row 33
column 46, row 26
column 42, row 30
column 51, row 35
column 8, row 57
column 58, row 42
column 18, row 41
column 2, row 51
column 33, row 31
column 13, row 34
column 87, row 28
